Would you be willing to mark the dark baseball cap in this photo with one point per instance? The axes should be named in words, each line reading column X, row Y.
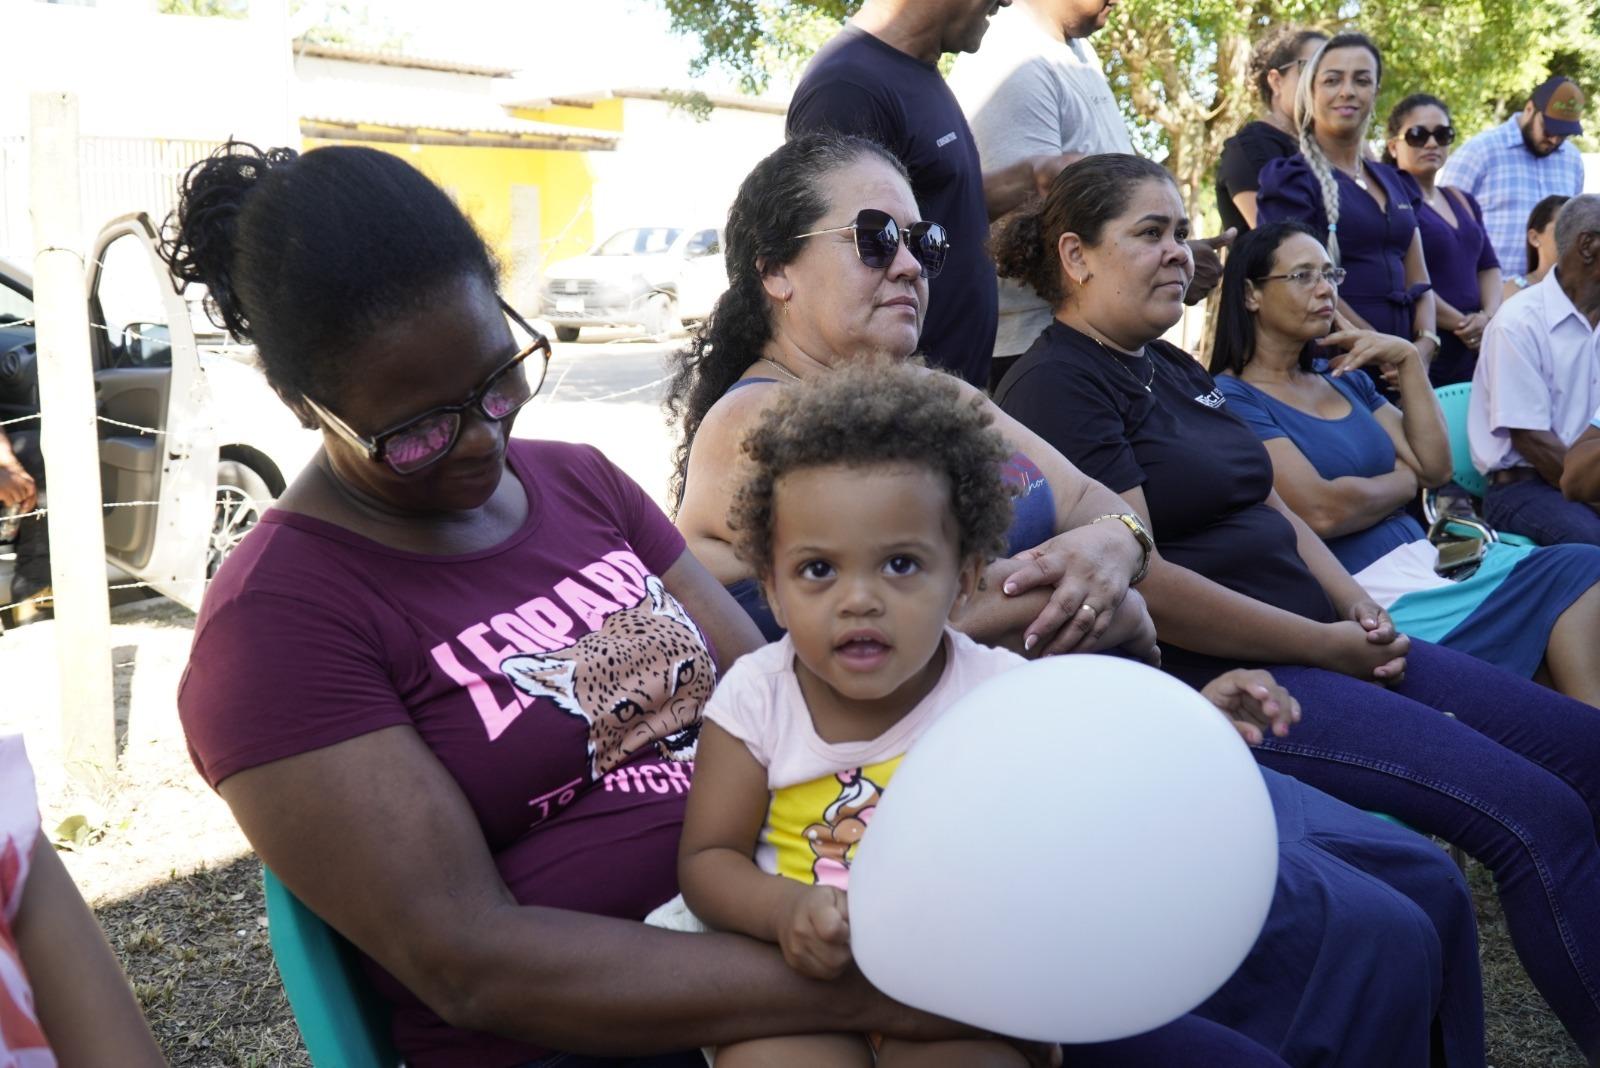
column 1560, row 101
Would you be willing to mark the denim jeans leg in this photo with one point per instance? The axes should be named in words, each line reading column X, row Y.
column 1537, row 510
column 1513, row 778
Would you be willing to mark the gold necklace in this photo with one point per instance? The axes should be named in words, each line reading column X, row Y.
column 1120, row 359
column 792, row 376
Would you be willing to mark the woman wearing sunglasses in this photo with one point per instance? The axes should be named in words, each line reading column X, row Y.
column 828, row 263
column 450, row 684
column 1461, row 261
column 1365, row 210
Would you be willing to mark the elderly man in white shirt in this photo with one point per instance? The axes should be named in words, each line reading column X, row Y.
column 1536, row 387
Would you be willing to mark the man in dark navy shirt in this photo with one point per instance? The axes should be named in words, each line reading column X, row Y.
column 879, row 78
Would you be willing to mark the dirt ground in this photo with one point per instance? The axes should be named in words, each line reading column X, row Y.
column 179, row 892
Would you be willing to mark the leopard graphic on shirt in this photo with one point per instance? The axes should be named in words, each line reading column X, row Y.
column 640, row 679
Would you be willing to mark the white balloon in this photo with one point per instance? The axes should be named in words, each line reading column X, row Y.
column 1080, row 850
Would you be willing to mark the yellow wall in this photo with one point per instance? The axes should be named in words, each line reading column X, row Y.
column 601, row 115
column 480, row 180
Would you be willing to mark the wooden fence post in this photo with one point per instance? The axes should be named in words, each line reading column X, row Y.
column 70, row 442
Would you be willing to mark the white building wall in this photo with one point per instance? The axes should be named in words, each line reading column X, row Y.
column 670, row 169
column 154, row 93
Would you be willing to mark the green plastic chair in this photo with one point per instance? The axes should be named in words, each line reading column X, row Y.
column 1454, row 400
column 341, row 1018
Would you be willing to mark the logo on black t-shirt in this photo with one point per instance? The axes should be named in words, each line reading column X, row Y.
column 945, row 140
column 1214, row 399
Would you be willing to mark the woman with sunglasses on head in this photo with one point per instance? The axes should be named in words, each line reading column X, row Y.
column 1275, row 67
column 450, row 685
column 827, row 263
column 1365, row 210
column 1461, row 261
column 1348, row 462
column 1322, row 986
column 1512, row 774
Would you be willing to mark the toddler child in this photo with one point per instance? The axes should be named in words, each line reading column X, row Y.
column 875, row 502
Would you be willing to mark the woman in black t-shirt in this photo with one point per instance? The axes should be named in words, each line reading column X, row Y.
column 1512, row 775
column 1275, row 68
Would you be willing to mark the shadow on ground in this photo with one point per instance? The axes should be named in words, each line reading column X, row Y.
column 196, row 951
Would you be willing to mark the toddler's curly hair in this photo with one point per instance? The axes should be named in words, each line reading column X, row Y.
column 869, row 414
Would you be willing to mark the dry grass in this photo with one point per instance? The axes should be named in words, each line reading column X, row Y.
column 179, row 893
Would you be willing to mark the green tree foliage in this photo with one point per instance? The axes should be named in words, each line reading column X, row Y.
column 1179, row 66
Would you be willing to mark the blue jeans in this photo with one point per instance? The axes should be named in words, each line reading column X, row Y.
column 1537, row 510
column 1512, row 776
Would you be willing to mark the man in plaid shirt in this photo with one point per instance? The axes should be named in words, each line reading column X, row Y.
column 1513, row 166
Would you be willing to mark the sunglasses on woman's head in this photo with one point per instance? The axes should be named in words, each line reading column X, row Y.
column 425, row 439
column 878, row 239
column 1417, row 136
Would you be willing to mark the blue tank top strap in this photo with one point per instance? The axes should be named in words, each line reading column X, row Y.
column 746, row 382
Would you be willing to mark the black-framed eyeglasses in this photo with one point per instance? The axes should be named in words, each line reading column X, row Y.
column 1417, row 136
column 1307, row 278
column 878, row 238
column 424, row 439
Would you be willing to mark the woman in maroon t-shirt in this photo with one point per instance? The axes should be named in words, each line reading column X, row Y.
column 451, row 686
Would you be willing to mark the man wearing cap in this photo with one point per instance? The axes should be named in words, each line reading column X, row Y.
column 1513, row 166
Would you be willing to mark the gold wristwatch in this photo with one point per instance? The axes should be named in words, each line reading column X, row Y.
column 1141, row 534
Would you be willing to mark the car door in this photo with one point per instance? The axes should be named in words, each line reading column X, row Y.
column 158, row 449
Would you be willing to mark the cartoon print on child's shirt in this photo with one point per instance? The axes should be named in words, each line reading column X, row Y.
column 843, row 823
column 815, row 827
column 640, row 679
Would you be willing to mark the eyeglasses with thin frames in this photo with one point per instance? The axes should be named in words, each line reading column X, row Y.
column 416, row 443
column 1305, row 279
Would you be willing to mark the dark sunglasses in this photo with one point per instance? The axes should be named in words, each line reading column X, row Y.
column 1417, row 136
column 878, row 238
column 422, row 440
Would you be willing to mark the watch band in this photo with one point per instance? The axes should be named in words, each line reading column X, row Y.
column 1428, row 335
column 1141, row 534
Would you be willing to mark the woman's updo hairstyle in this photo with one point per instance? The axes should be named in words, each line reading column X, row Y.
column 1251, row 257
column 1083, row 198
column 1398, row 113
column 781, row 197
column 305, row 255
column 1277, row 50
column 1321, row 169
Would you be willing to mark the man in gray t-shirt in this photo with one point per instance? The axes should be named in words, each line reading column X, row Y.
column 1037, row 99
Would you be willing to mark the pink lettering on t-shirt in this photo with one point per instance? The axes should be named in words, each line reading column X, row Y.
column 496, row 717
column 544, row 616
column 630, row 565
column 590, row 606
column 517, row 631
column 488, row 655
column 613, row 581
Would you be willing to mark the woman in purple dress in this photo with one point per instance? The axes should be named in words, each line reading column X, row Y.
column 1461, row 261
column 1366, row 210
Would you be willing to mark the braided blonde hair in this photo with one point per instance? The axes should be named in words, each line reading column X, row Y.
column 1305, row 124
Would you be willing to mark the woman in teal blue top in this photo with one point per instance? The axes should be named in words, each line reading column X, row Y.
column 1347, row 461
